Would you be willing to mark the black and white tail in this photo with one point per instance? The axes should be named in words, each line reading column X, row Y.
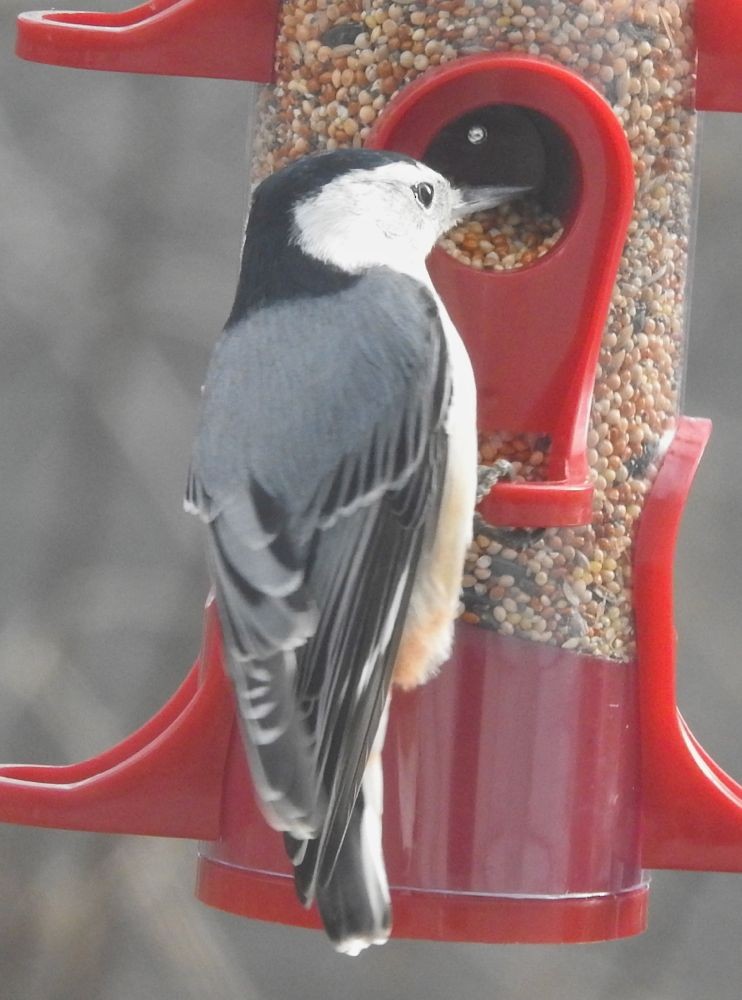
column 353, row 899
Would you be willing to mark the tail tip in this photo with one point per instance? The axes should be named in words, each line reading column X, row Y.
column 353, row 946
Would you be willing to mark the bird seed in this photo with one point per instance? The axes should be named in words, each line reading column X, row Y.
column 337, row 66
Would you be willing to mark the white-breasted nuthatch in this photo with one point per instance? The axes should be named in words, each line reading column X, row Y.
column 336, row 467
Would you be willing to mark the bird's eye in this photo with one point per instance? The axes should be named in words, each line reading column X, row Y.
column 424, row 193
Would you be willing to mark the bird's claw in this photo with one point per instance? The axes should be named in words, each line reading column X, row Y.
column 489, row 475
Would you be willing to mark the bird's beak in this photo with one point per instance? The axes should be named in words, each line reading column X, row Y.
column 467, row 201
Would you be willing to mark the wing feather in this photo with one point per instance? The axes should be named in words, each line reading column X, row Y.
column 318, row 466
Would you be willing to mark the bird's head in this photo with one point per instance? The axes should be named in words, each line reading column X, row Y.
column 360, row 208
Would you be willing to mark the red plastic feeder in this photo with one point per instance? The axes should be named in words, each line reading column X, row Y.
column 226, row 39
column 529, row 786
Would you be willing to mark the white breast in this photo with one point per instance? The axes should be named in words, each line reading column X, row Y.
column 462, row 414
column 428, row 633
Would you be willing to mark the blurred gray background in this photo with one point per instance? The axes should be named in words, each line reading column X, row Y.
column 121, row 212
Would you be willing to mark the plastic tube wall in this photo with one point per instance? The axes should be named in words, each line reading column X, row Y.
column 339, row 66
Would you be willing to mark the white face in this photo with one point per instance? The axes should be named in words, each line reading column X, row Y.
column 391, row 216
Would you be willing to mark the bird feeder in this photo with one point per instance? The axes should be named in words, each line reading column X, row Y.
column 531, row 785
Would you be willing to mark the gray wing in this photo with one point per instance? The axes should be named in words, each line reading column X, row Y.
column 318, row 465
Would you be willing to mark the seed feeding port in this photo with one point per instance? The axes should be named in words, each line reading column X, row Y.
column 514, row 146
column 500, row 144
column 533, row 333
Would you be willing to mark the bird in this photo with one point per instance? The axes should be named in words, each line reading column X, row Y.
column 335, row 465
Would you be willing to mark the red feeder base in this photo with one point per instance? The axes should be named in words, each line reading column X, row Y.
column 511, row 805
column 441, row 916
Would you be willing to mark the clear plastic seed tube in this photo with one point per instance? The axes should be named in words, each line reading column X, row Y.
column 337, row 67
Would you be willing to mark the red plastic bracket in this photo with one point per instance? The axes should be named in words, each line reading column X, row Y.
column 534, row 347
column 718, row 26
column 692, row 809
column 164, row 780
column 225, row 39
